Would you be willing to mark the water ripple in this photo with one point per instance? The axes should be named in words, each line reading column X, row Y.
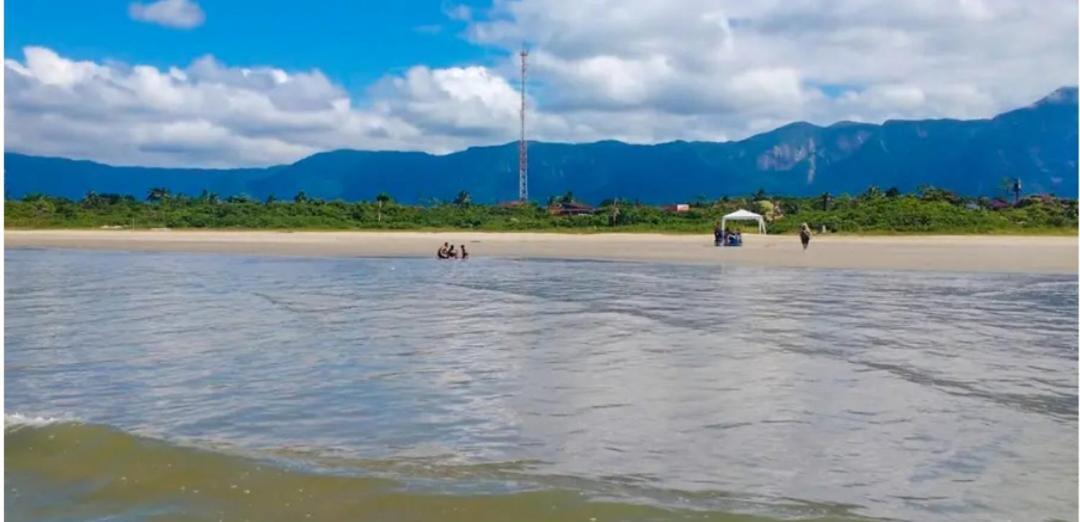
column 909, row 395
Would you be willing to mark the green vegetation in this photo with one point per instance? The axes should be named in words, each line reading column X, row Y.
column 875, row 211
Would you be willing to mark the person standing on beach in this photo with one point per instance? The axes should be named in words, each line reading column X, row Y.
column 804, row 235
column 464, row 253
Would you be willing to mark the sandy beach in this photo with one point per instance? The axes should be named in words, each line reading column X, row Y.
column 947, row 253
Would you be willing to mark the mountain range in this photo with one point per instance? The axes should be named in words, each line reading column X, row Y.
column 1037, row 144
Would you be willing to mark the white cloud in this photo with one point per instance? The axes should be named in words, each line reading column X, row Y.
column 458, row 12
column 741, row 64
column 211, row 114
column 463, row 101
column 50, row 69
column 182, row 14
column 635, row 70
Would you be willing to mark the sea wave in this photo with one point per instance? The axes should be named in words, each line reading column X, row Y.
column 15, row 421
column 60, row 469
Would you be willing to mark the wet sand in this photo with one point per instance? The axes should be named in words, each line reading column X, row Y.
column 1052, row 254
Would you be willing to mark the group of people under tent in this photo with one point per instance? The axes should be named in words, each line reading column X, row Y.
column 724, row 237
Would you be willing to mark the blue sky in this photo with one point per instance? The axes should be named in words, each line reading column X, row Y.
column 354, row 42
column 216, row 83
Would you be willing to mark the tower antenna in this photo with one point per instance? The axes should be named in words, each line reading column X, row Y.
column 523, row 147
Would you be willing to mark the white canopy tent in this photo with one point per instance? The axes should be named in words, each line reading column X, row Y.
column 743, row 215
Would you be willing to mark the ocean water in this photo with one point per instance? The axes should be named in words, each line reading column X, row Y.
column 146, row 386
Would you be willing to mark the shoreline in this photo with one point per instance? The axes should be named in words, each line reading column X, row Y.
column 981, row 253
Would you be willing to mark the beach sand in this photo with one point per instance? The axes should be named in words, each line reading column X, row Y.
column 947, row 253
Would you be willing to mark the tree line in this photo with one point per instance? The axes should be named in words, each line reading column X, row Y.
column 927, row 210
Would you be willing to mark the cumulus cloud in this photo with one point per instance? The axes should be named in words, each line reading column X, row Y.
column 748, row 64
column 212, row 114
column 181, row 14
column 634, row 70
column 467, row 101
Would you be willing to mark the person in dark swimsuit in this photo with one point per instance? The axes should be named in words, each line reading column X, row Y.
column 451, row 253
column 464, row 253
column 804, row 235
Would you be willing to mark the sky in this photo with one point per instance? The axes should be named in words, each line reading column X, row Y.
column 227, row 83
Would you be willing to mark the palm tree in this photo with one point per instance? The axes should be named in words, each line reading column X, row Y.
column 92, row 200
column 158, row 194
column 826, row 198
column 463, row 199
column 382, row 199
column 209, row 197
column 300, row 197
column 567, row 198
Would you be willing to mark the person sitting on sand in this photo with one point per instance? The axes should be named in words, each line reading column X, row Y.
column 804, row 235
column 451, row 253
column 464, row 253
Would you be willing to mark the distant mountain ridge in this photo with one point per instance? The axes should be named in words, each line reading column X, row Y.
column 1037, row 143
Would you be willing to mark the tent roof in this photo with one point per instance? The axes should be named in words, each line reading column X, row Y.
column 742, row 214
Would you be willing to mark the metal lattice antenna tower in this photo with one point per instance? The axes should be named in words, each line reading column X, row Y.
column 523, row 148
